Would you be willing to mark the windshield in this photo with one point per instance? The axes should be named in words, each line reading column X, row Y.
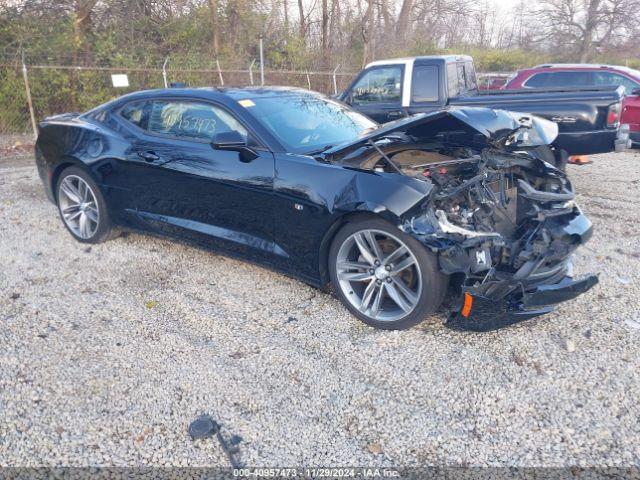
column 306, row 123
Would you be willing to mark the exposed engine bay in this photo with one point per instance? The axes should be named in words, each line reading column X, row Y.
column 502, row 221
column 496, row 204
column 505, row 221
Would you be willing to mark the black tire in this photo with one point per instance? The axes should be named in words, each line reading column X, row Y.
column 104, row 229
column 433, row 282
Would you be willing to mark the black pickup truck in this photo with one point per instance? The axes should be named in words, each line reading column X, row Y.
column 588, row 118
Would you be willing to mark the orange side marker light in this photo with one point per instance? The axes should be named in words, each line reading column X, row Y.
column 579, row 160
column 466, row 306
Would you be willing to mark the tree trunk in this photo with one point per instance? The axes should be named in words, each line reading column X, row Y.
column 81, row 27
column 303, row 26
column 215, row 42
column 367, row 48
column 384, row 10
column 335, row 23
column 589, row 27
column 236, row 11
column 325, row 33
column 285, row 6
column 404, row 19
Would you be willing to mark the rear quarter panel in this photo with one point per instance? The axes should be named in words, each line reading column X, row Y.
column 63, row 142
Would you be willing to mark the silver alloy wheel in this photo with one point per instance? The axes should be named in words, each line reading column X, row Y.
column 379, row 275
column 78, row 206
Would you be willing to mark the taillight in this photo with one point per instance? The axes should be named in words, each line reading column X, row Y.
column 613, row 115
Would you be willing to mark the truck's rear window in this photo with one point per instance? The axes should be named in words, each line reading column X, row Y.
column 425, row 84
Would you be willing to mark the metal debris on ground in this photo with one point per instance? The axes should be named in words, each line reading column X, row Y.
column 206, row 427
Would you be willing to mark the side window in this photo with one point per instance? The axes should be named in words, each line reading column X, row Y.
column 137, row 113
column 571, row 79
column 425, row 83
column 452, row 80
column 470, row 75
column 539, row 80
column 608, row 78
column 191, row 120
column 462, row 87
column 561, row 79
column 378, row 85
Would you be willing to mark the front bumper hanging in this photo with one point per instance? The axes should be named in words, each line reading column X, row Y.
column 478, row 312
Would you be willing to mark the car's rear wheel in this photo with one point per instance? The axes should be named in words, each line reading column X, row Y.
column 82, row 207
column 385, row 277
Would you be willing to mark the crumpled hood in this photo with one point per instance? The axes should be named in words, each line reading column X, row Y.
column 463, row 126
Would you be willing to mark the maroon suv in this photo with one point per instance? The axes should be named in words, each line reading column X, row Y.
column 587, row 75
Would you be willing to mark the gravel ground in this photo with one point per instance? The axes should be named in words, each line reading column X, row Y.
column 107, row 353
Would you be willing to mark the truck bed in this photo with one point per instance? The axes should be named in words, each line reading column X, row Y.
column 587, row 117
column 583, row 120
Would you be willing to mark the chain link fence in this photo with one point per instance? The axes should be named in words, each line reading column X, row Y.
column 59, row 89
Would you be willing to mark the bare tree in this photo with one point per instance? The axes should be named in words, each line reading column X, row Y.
column 81, row 26
column 325, row 32
column 335, row 23
column 366, row 30
column 285, row 6
column 236, row 11
column 585, row 25
column 215, row 41
column 302, row 23
column 404, row 20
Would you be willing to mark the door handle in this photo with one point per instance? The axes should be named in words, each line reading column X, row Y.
column 396, row 114
column 148, row 156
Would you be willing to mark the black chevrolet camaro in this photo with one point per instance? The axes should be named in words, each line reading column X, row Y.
column 392, row 216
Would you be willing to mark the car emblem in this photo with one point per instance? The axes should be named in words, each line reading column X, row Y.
column 565, row 119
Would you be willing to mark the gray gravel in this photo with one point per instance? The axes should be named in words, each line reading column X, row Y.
column 107, row 353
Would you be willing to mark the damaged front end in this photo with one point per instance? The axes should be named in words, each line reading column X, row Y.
column 507, row 225
column 502, row 221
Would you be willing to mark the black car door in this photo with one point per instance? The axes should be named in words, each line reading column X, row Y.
column 377, row 93
column 179, row 184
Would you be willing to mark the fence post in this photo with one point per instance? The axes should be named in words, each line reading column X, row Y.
column 251, row 70
column 28, row 90
column 261, row 62
column 335, row 83
column 308, row 81
column 164, row 72
column 219, row 73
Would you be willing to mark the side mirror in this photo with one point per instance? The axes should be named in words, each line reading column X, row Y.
column 234, row 142
column 635, row 91
column 231, row 140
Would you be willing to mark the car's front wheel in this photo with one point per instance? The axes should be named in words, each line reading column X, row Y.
column 82, row 207
column 385, row 277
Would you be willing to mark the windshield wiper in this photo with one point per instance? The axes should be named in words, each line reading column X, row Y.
column 319, row 150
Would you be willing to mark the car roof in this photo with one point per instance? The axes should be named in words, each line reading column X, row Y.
column 220, row 94
column 584, row 66
column 405, row 60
